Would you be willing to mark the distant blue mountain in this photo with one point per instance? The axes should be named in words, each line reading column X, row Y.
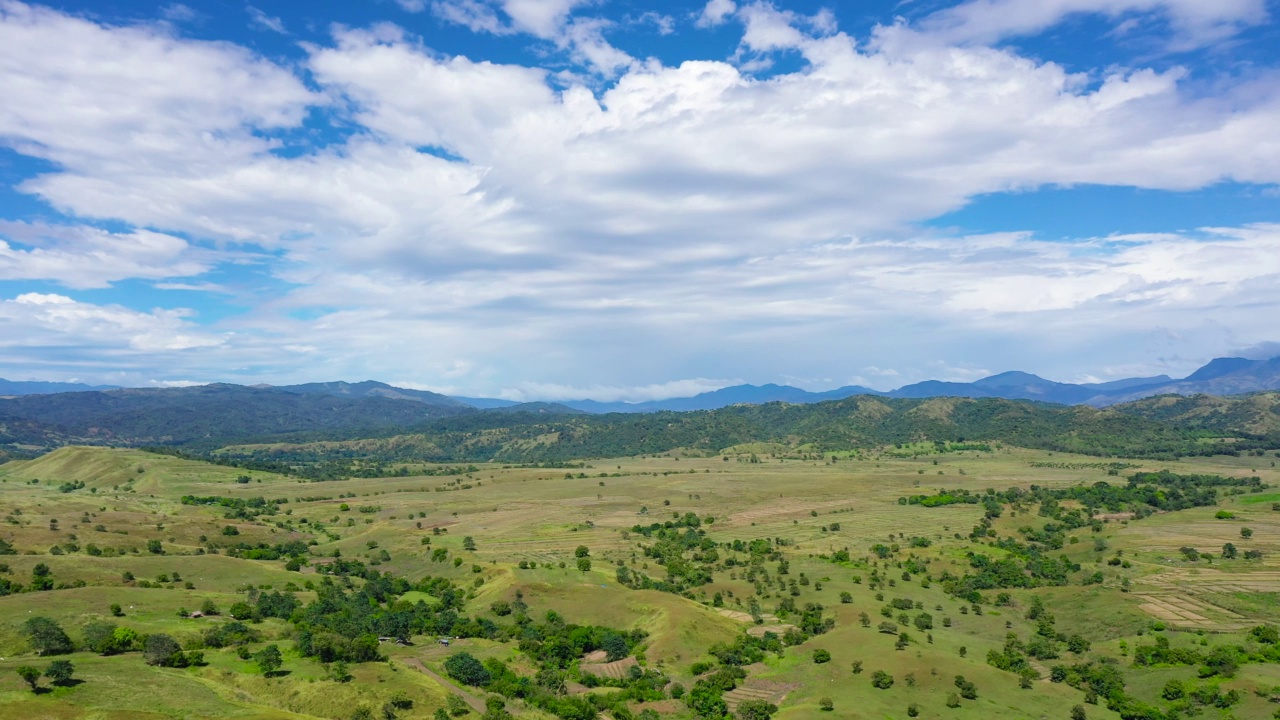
column 735, row 395
column 32, row 387
column 486, row 403
column 1222, row 376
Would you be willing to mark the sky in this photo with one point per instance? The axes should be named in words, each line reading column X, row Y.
column 625, row 200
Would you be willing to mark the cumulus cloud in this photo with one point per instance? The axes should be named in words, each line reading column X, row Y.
column 58, row 321
column 715, row 12
column 492, row 221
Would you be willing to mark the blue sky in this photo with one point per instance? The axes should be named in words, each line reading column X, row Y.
column 550, row 199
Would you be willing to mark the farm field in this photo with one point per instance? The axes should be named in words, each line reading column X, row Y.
column 708, row 585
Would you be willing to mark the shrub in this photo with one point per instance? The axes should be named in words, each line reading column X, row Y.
column 756, row 710
column 881, row 680
column 467, row 670
column 821, row 656
column 30, row 676
column 60, row 672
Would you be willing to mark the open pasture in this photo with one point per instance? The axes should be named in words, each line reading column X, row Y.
column 507, row 533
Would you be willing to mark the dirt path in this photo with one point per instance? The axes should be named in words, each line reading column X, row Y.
column 476, row 703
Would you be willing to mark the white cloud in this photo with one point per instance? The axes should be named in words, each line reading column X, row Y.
column 665, row 24
column 148, row 106
column 687, row 221
column 84, row 257
column 715, row 12
column 259, row 19
column 1195, row 22
column 179, row 13
column 550, row 20
column 57, row 321
column 413, row 6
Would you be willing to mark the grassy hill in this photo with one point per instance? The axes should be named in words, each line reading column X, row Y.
column 689, row 556
column 1257, row 414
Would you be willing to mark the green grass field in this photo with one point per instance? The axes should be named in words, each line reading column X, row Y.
column 538, row 516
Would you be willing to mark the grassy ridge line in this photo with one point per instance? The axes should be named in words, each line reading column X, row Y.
column 853, row 423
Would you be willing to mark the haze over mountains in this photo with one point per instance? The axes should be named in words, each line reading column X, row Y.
column 1221, row 376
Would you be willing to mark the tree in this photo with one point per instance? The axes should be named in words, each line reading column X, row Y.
column 242, row 611
column 756, row 709
column 467, row 670
column 60, row 672
column 881, row 680
column 913, row 710
column 468, row 543
column 154, row 547
column 30, row 676
column 1078, row 713
column 116, row 610
column 953, row 700
column 584, row 564
column 268, row 659
column 160, row 649
column 47, row 636
column 821, row 656
column 1229, row 551
column 826, row 704
column 581, row 551
column 1246, row 533
column 614, row 646
column 208, row 607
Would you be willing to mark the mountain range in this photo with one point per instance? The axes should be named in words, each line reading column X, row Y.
column 1221, row 376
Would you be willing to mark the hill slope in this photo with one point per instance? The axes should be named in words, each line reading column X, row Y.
column 209, row 413
column 853, row 423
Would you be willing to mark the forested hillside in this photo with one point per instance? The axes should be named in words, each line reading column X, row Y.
column 854, row 423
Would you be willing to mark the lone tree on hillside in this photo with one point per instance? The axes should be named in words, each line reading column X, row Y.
column 160, row 649
column 47, row 636
column 268, row 659
column 60, row 672
column 30, row 676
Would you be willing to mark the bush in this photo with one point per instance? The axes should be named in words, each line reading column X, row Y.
column 756, row 710
column 881, row 680
column 30, row 676
column 821, row 656
column 268, row 659
column 60, row 672
column 467, row 670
